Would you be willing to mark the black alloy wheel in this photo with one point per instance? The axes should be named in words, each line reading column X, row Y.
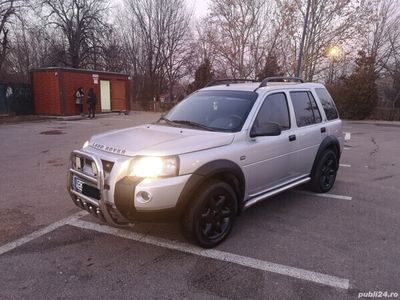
column 216, row 216
column 210, row 217
column 324, row 174
column 328, row 172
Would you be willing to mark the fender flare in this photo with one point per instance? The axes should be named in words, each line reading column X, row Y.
column 207, row 171
column 328, row 142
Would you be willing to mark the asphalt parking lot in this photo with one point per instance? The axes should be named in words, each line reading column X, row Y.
column 296, row 245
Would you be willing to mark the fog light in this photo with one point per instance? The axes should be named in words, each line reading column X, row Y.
column 143, row 197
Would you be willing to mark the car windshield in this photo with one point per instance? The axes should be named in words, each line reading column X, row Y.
column 212, row 110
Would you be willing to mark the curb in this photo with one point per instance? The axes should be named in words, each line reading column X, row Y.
column 40, row 118
column 77, row 118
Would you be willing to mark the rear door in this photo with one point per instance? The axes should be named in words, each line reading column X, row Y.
column 271, row 160
column 333, row 123
column 309, row 131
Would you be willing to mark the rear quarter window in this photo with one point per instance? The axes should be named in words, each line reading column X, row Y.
column 327, row 104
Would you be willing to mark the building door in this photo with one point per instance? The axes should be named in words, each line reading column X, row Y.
column 105, row 95
column 118, row 92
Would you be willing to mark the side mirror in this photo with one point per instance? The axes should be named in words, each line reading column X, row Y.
column 265, row 129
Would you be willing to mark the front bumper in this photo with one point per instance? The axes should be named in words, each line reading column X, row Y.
column 117, row 202
column 163, row 203
column 97, row 206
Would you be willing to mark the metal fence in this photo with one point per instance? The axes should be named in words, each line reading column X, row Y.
column 15, row 99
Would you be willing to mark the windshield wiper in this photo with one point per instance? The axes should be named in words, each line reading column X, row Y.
column 192, row 124
column 168, row 121
column 185, row 122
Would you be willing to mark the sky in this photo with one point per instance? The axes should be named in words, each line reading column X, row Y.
column 199, row 7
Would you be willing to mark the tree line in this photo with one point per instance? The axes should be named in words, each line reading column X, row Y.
column 169, row 52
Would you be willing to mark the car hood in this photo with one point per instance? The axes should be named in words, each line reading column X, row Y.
column 158, row 140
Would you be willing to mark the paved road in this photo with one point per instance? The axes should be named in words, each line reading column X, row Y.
column 295, row 245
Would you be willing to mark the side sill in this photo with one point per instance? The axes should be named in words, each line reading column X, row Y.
column 269, row 194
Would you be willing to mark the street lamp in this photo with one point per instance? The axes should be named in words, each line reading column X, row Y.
column 333, row 53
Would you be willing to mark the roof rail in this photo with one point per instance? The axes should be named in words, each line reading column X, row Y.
column 228, row 81
column 280, row 79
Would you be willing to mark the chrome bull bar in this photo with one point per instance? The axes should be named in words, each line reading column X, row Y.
column 97, row 207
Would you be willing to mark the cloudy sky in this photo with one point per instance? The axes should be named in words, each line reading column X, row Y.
column 199, row 7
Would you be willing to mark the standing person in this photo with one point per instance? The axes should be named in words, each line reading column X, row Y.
column 79, row 94
column 91, row 100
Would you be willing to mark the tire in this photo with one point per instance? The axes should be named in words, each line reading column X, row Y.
column 209, row 219
column 324, row 175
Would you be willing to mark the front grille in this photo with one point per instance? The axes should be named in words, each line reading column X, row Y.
column 84, row 165
column 88, row 166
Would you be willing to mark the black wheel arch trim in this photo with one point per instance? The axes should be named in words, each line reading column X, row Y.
column 124, row 192
column 124, row 196
column 328, row 142
column 223, row 168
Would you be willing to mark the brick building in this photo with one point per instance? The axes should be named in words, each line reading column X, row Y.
column 54, row 90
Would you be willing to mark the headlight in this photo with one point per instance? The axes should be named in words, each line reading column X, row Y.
column 85, row 144
column 153, row 166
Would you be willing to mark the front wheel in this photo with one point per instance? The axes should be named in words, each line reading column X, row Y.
column 324, row 175
column 210, row 217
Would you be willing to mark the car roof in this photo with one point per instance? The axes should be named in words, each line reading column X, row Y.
column 269, row 87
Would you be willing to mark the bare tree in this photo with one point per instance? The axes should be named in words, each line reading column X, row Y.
column 156, row 40
column 328, row 23
column 33, row 45
column 8, row 10
column 176, row 51
column 81, row 23
column 381, row 28
column 205, row 50
column 382, row 41
column 113, row 52
column 237, row 31
column 392, row 63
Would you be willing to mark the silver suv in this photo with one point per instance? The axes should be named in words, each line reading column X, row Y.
column 221, row 150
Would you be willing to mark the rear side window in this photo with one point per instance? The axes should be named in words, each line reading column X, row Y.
column 305, row 108
column 327, row 104
column 274, row 109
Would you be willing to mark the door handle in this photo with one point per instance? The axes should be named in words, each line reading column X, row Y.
column 292, row 138
column 323, row 129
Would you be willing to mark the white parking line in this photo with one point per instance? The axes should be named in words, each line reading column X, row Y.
column 34, row 235
column 266, row 266
column 345, row 165
column 325, row 195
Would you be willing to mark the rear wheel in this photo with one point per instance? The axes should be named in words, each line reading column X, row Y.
column 209, row 218
column 324, row 175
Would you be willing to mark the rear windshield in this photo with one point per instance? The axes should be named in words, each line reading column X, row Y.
column 215, row 110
